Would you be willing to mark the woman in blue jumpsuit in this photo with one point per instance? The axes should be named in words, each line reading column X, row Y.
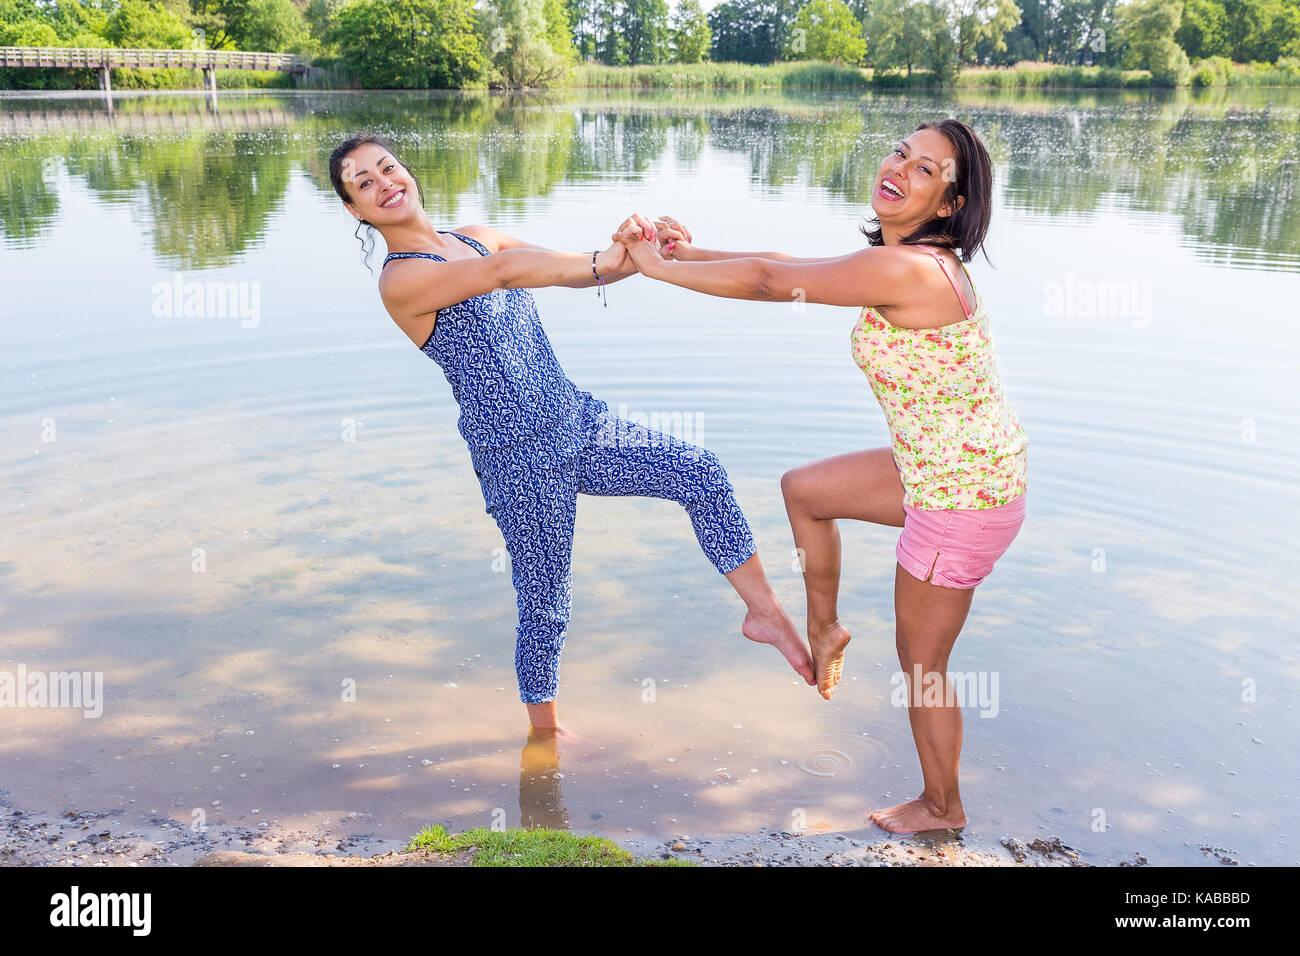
column 535, row 439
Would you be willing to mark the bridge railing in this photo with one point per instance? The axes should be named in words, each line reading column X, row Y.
column 56, row 56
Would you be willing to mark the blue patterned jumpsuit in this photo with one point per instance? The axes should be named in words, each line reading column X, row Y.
column 536, row 441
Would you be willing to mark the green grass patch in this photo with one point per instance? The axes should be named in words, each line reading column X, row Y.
column 537, row 847
column 1029, row 75
column 1220, row 71
column 124, row 78
column 802, row 75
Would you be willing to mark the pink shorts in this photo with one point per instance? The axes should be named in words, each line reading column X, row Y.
column 957, row 547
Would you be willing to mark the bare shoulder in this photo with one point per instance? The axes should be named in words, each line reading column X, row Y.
column 928, row 301
column 892, row 275
column 493, row 240
column 898, row 260
column 399, row 278
column 391, row 276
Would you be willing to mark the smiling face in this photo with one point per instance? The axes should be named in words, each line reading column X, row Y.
column 911, row 182
column 382, row 191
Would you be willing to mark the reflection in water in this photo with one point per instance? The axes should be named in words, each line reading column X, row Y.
column 541, row 796
column 205, row 194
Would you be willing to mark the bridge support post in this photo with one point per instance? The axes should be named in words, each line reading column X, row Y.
column 210, row 78
column 105, row 81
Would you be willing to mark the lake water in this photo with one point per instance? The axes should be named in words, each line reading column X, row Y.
column 243, row 517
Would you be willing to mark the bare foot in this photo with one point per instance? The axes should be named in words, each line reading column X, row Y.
column 559, row 743
column 828, row 642
column 778, row 630
column 553, row 737
column 917, row 815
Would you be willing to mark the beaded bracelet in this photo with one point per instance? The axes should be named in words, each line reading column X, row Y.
column 600, row 281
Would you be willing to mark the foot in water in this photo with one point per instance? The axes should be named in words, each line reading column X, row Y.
column 555, row 743
column 828, row 642
column 776, row 628
column 916, row 816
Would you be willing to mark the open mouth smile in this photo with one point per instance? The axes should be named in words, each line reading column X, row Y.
column 889, row 190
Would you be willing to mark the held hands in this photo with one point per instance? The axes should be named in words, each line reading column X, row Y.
column 648, row 243
column 639, row 237
column 672, row 236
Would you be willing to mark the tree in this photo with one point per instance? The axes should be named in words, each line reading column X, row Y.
column 1261, row 30
column 751, row 31
column 1147, row 28
column 645, row 29
column 691, row 35
column 582, row 24
column 519, row 47
column 136, row 23
column 409, row 43
column 1202, row 32
column 898, row 35
column 559, row 32
column 914, row 34
column 33, row 32
column 983, row 21
column 1058, row 31
column 881, row 28
column 611, row 44
column 826, row 30
column 272, row 25
column 940, row 39
column 71, row 19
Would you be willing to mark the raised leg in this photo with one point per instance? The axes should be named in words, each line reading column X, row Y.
column 863, row 485
column 627, row 458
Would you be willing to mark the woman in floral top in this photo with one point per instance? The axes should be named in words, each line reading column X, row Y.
column 954, row 477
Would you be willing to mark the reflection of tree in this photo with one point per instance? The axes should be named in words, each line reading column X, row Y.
column 204, row 198
column 27, row 183
column 1231, row 180
column 812, row 146
column 620, row 140
column 205, row 193
column 530, row 152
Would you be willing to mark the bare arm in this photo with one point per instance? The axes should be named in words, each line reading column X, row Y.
column 414, row 290
column 685, row 252
column 497, row 241
column 679, row 246
column 877, row 276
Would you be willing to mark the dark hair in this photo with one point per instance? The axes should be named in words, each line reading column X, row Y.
column 337, row 159
column 966, row 227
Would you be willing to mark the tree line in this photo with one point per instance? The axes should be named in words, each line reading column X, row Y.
column 455, row 43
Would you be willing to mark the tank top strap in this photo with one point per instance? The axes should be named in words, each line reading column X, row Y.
column 412, row 255
column 472, row 243
column 951, row 281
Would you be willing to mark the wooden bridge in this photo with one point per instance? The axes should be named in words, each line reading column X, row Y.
column 103, row 60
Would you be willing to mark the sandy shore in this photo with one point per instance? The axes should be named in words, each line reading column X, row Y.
column 97, row 838
column 860, row 848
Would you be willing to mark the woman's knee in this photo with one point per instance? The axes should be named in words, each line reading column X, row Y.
column 925, row 660
column 706, row 476
column 794, row 487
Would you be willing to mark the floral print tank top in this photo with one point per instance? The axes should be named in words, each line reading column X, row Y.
column 956, row 439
